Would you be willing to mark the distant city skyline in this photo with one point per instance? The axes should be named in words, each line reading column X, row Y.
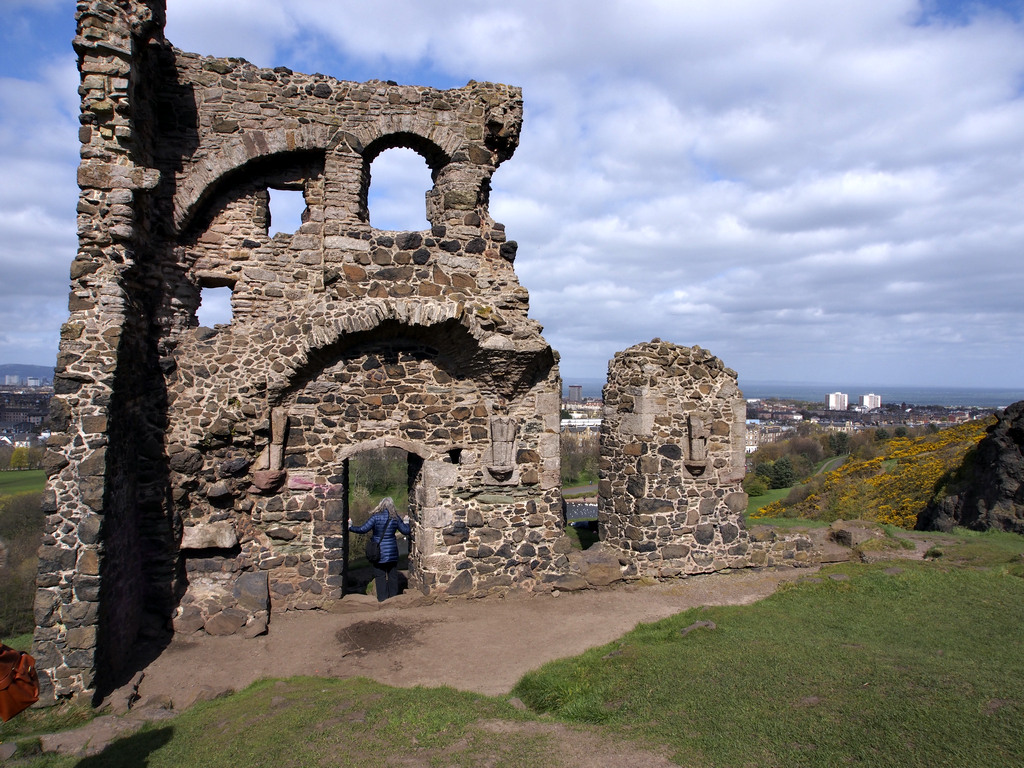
column 812, row 190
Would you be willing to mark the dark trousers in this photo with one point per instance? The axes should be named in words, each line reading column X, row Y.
column 386, row 577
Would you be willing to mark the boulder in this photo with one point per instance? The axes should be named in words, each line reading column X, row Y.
column 987, row 490
column 227, row 622
column 853, row 533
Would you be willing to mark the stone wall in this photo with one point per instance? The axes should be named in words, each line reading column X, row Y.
column 670, row 496
column 100, row 522
column 198, row 476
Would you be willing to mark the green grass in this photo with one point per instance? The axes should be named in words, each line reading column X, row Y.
column 19, row 642
column 309, row 722
column 924, row 667
column 756, row 502
column 22, row 481
column 787, row 523
column 982, row 549
column 920, row 665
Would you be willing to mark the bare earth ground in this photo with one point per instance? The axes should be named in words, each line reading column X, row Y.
column 483, row 645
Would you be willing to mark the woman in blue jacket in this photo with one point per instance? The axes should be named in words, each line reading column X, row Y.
column 384, row 521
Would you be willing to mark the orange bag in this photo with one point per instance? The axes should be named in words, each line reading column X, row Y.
column 19, row 685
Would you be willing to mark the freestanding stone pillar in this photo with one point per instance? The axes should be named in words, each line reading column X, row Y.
column 672, row 461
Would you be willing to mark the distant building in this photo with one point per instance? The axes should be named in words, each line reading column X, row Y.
column 11, row 380
column 870, row 401
column 33, row 381
column 837, row 401
column 581, row 425
column 575, row 393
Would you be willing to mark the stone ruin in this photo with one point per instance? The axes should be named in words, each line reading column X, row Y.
column 198, row 477
column 673, row 447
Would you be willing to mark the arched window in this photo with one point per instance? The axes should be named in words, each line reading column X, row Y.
column 399, row 181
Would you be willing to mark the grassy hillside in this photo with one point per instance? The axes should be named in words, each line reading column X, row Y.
column 889, row 488
column 920, row 665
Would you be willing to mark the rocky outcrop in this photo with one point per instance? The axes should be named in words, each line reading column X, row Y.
column 988, row 489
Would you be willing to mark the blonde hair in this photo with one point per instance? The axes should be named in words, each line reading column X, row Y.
column 387, row 504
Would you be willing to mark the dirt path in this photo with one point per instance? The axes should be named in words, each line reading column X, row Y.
column 474, row 645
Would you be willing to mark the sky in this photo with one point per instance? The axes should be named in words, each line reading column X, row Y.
column 814, row 190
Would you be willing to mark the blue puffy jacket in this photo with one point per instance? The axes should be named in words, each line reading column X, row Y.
column 384, row 527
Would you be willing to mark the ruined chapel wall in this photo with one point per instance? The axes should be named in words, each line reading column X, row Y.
column 246, row 113
column 220, row 454
column 91, row 586
column 292, row 527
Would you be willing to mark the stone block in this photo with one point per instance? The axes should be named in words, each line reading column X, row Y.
column 226, row 622
column 674, row 551
column 219, row 535
column 569, row 582
column 251, row 591
column 188, row 621
column 436, row 517
column 440, row 474
column 281, row 533
column 462, row 584
column 704, row 534
column 600, row 566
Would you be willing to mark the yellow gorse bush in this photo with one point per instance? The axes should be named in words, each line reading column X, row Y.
column 892, row 488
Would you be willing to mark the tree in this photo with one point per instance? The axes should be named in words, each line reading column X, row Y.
column 783, row 475
column 839, row 443
column 20, row 458
column 882, row 434
column 900, row 431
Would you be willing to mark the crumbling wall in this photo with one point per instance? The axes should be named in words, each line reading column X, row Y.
column 198, row 476
column 105, row 538
column 670, row 496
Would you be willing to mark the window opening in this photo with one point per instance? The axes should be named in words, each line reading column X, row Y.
column 214, row 306
column 399, row 181
column 287, row 207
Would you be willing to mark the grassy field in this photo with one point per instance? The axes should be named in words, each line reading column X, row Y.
column 756, row 502
column 889, row 664
column 21, row 481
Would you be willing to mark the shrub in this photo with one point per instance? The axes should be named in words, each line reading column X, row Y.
column 891, row 487
column 754, row 485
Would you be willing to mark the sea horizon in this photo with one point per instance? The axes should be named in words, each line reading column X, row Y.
column 948, row 396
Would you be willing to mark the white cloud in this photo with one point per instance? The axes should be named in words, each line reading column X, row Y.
column 810, row 188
